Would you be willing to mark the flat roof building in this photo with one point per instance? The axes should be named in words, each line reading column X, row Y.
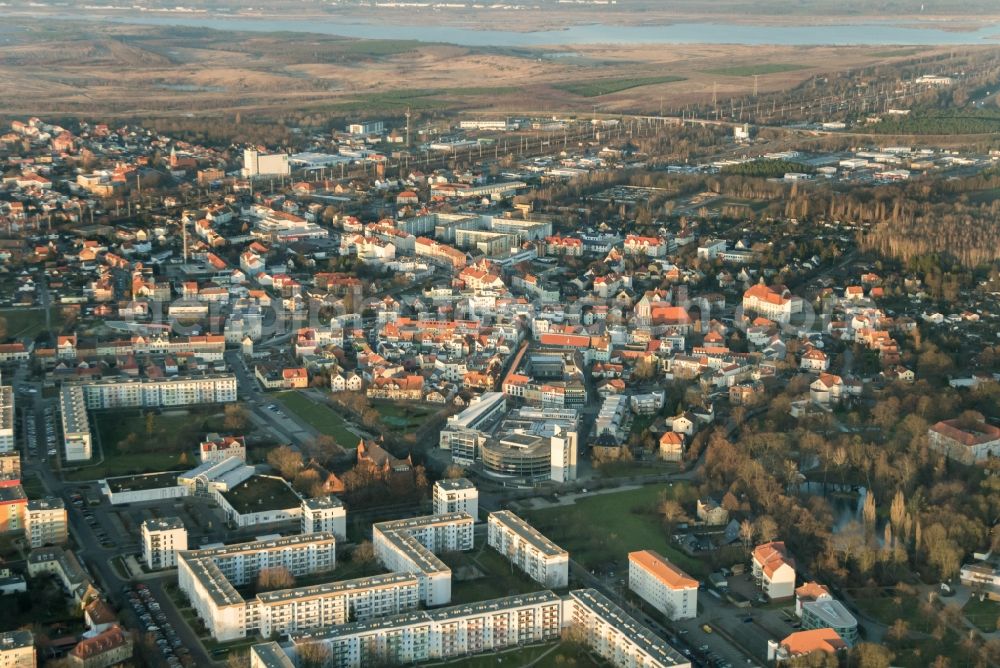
column 528, row 549
column 661, row 584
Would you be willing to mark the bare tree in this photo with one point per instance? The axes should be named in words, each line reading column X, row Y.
column 278, row 577
column 286, row 462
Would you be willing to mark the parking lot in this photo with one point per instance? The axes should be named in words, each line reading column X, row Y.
column 162, row 633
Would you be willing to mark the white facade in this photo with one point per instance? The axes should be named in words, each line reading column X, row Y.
column 208, row 576
column 774, row 570
column 6, row 419
column 458, row 495
column 75, row 424
column 325, row 514
column 259, row 164
column 664, row 586
column 615, row 635
column 162, row 539
column 411, row 546
column 45, row 522
column 529, row 550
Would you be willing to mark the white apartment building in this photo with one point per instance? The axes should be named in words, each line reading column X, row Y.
column 774, row 570
column 475, row 628
column 775, row 303
column 529, row 550
column 17, row 649
column 162, row 539
column 661, row 584
column 207, row 576
column 215, row 448
column 331, row 604
column 457, row 495
column 269, row 655
column 119, row 392
column 615, row 635
column 260, row 164
column 45, row 522
column 6, row 418
column 411, row 546
column 75, row 424
column 324, row 514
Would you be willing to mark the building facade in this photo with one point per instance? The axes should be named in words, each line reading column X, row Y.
column 661, row 584
column 457, row 495
column 162, row 539
column 528, row 549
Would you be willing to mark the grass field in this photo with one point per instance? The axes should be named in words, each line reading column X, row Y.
column 132, row 443
column 598, row 87
column 600, row 531
column 27, row 322
column 322, row 418
column 750, row 70
column 984, row 614
column 561, row 655
column 402, row 416
column 498, row 580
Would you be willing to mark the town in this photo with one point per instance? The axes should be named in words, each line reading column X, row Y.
column 475, row 390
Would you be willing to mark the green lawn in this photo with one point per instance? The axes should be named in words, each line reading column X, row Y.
column 598, row 87
column 322, row 418
column 134, row 443
column 402, row 417
column 984, row 614
column 750, row 70
column 498, row 580
column 629, row 469
column 27, row 321
column 888, row 608
column 600, row 531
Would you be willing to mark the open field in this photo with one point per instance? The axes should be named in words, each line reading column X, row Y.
column 27, row 322
column 136, row 443
column 600, row 531
column 984, row 614
column 321, row 417
column 90, row 70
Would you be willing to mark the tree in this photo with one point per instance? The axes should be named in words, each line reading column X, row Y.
column 236, row 417
column 363, row 553
column 277, row 577
column 454, row 471
column 150, row 423
column 285, row 461
column 747, row 533
column 672, row 513
column 766, row 528
column 307, row 483
column 870, row 655
column 313, row 655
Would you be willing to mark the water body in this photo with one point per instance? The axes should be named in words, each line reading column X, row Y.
column 869, row 34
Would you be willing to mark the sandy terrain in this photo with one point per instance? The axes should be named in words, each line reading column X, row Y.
column 136, row 71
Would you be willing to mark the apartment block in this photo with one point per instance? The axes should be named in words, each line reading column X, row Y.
column 411, row 546
column 457, row 495
column 528, row 549
column 7, row 419
column 75, row 424
column 208, row 576
column 45, row 522
column 162, row 539
column 17, row 649
column 119, row 392
column 615, row 635
column 774, row 570
column 324, row 514
column 661, row 584
column 475, row 628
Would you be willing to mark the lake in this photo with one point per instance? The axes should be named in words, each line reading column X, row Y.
column 869, row 33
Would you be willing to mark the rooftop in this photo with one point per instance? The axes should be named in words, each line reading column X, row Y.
column 527, row 532
column 132, row 483
column 663, row 570
column 392, row 580
column 163, row 524
column 15, row 639
column 260, row 494
column 651, row 644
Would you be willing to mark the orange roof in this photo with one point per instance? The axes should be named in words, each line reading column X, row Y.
column 811, row 591
column 665, row 572
column 775, row 295
column 672, row 438
column 816, row 640
column 772, row 556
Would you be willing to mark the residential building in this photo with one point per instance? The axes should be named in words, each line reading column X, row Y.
column 75, row 424
column 473, row 628
column 17, row 649
column 456, row 495
column 661, row 584
column 968, row 439
column 776, row 303
column 162, row 539
column 711, row 513
column 7, row 418
column 64, row 565
column 209, row 577
column 818, row 609
column 45, row 522
column 13, row 506
column 324, row 514
column 614, row 635
column 803, row 643
column 774, row 570
column 528, row 549
column 215, row 448
column 983, row 576
column 411, row 546
column 108, row 648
